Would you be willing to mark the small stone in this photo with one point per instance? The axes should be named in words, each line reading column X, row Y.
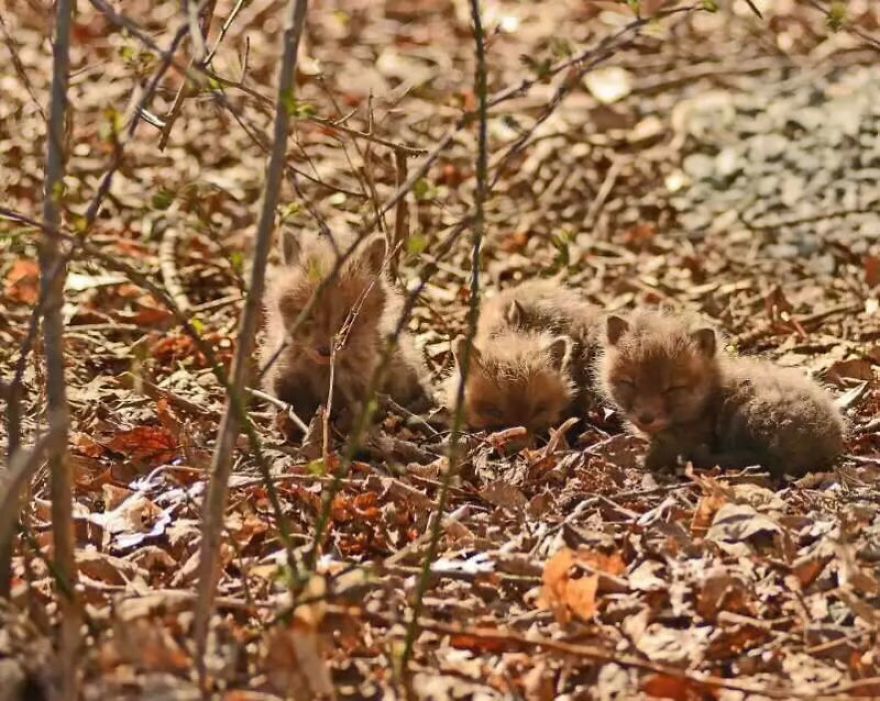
column 675, row 181
column 768, row 147
column 783, row 251
column 727, row 163
column 767, row 185
column 810, row 118
column 792, row 190
column 699, row 166
column 694, row 220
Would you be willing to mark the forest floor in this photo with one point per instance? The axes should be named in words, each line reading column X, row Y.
column 718, row 162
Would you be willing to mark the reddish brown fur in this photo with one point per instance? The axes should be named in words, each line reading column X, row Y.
column 516, row 378
column 540, row 305
column 666, row 375
column 301, row 374
column 546, row 306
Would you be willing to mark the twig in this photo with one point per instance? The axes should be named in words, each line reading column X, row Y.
column 19, row 66
column 13, row 421
column 605, row 190
column 279, row 404
column 215, row 499
column 146, row 282
column 400, row 244
column 168, row 267
column 225, row 28
column 871, row 41
column 482, row 163
column 22, row 466
column 52, row 276
column 368, row 136
column 198, row 30
column 590, row 652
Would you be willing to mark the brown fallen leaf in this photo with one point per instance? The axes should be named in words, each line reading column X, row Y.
column 295, row 652
column 22, row 282
column 664, row 686
column 564, row 594
column 705, row 513
column 152, row 443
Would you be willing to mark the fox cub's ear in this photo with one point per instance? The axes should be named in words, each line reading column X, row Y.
column 373, row 255
column 290, row 248
column 706, row 341
column 615, row 327
column 515, row 313
column 559, row 350
column 459, row 345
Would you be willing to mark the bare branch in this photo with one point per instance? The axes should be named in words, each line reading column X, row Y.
column 19, row 66
column 215, row 500
column 481, row 90
column 199, row 21
column 400, row 243
column 21, row 468
column 52, row 275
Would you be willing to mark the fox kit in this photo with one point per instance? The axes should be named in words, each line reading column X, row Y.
column 673, row 385
column 515, row 379
column 356, row 310
column 547, row 306
column 528, row 364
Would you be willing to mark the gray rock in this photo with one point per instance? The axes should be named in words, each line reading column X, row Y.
column 699, row 166
column 767, row 147
column 792, row 190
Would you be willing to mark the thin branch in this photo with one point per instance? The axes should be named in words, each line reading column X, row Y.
column 480, row 88
column 19, row 66
column 145, row 281
column 215, row 499
column 589, row 652
column 400, row 244
column 847, row 25
column 52, row 276
column 21, row 468
column 199, row 22
column 13, row 413
column 225, row 28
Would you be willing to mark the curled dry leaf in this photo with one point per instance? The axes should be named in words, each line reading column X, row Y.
column 705, row 513
column 151, row 443
column 22, row 282
column 566, row 594
column 295, row 653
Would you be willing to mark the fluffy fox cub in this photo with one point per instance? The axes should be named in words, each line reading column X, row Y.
column 354, row 312
column 529, row 365
column 696, row 403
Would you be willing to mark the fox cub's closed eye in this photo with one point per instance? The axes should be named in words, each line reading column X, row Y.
column 675, row 389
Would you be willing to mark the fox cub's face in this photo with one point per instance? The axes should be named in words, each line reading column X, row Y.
column 658, row 372
column 516, row 379
column 355, row 295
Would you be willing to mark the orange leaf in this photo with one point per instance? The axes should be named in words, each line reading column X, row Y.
column 85, row 445
column 471, row 642
column 872, row 270
column 705, row 512
column 664, row 686
column 144, row 442
column 22, row 282
column 609, row 564
column 565, row 595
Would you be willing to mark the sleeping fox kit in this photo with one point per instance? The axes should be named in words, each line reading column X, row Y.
column 694, row 402
column 355, row 311
column 529, row 361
